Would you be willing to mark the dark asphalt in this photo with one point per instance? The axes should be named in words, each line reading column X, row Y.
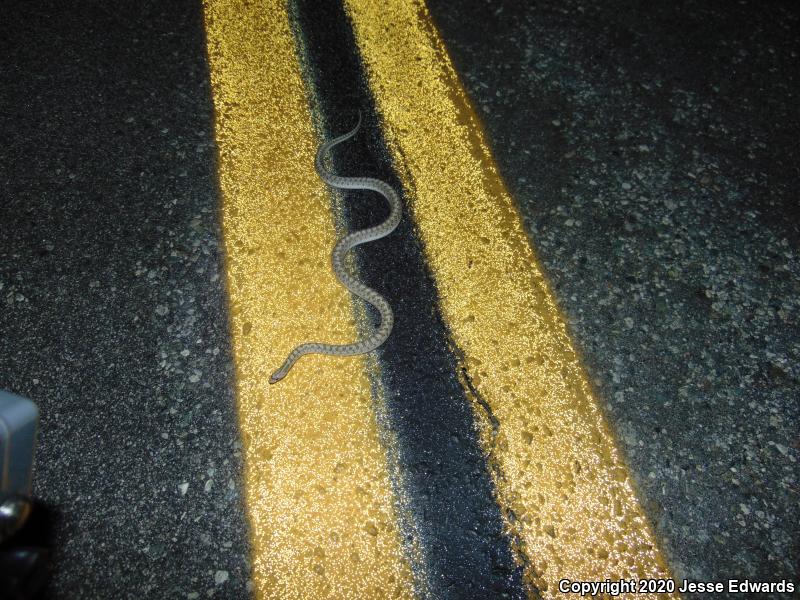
column 112, row 315
column 653, row 150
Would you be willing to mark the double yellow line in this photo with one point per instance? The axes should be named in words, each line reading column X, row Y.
column 322, row 512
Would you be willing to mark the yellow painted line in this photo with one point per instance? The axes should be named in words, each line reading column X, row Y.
column 318, row 494
column 555, row 464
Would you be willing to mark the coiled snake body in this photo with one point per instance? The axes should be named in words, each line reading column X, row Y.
column 340, row 250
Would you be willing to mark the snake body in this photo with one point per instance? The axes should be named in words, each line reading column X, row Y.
column 344, row 245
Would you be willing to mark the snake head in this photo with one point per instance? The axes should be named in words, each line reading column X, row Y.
column 276, row 376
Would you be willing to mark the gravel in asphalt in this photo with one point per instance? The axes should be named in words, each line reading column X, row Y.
column 653, row 152
column 113, row 313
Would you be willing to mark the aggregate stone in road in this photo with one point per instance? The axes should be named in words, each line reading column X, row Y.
column 653, row 151
column 111, row 297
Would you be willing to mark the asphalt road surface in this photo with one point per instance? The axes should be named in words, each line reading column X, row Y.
column 594, row 367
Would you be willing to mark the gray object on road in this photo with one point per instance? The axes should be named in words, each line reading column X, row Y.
column 19, row 420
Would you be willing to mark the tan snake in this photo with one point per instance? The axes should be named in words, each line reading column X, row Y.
column 342, row 247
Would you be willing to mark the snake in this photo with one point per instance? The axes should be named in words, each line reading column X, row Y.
column 342, row 247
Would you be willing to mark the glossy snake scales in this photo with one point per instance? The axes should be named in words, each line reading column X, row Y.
column 342, row 247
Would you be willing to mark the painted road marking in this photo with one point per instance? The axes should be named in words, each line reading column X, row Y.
column 318, row 496
column 439, row 471
column 320, row 502
column 566, row 494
